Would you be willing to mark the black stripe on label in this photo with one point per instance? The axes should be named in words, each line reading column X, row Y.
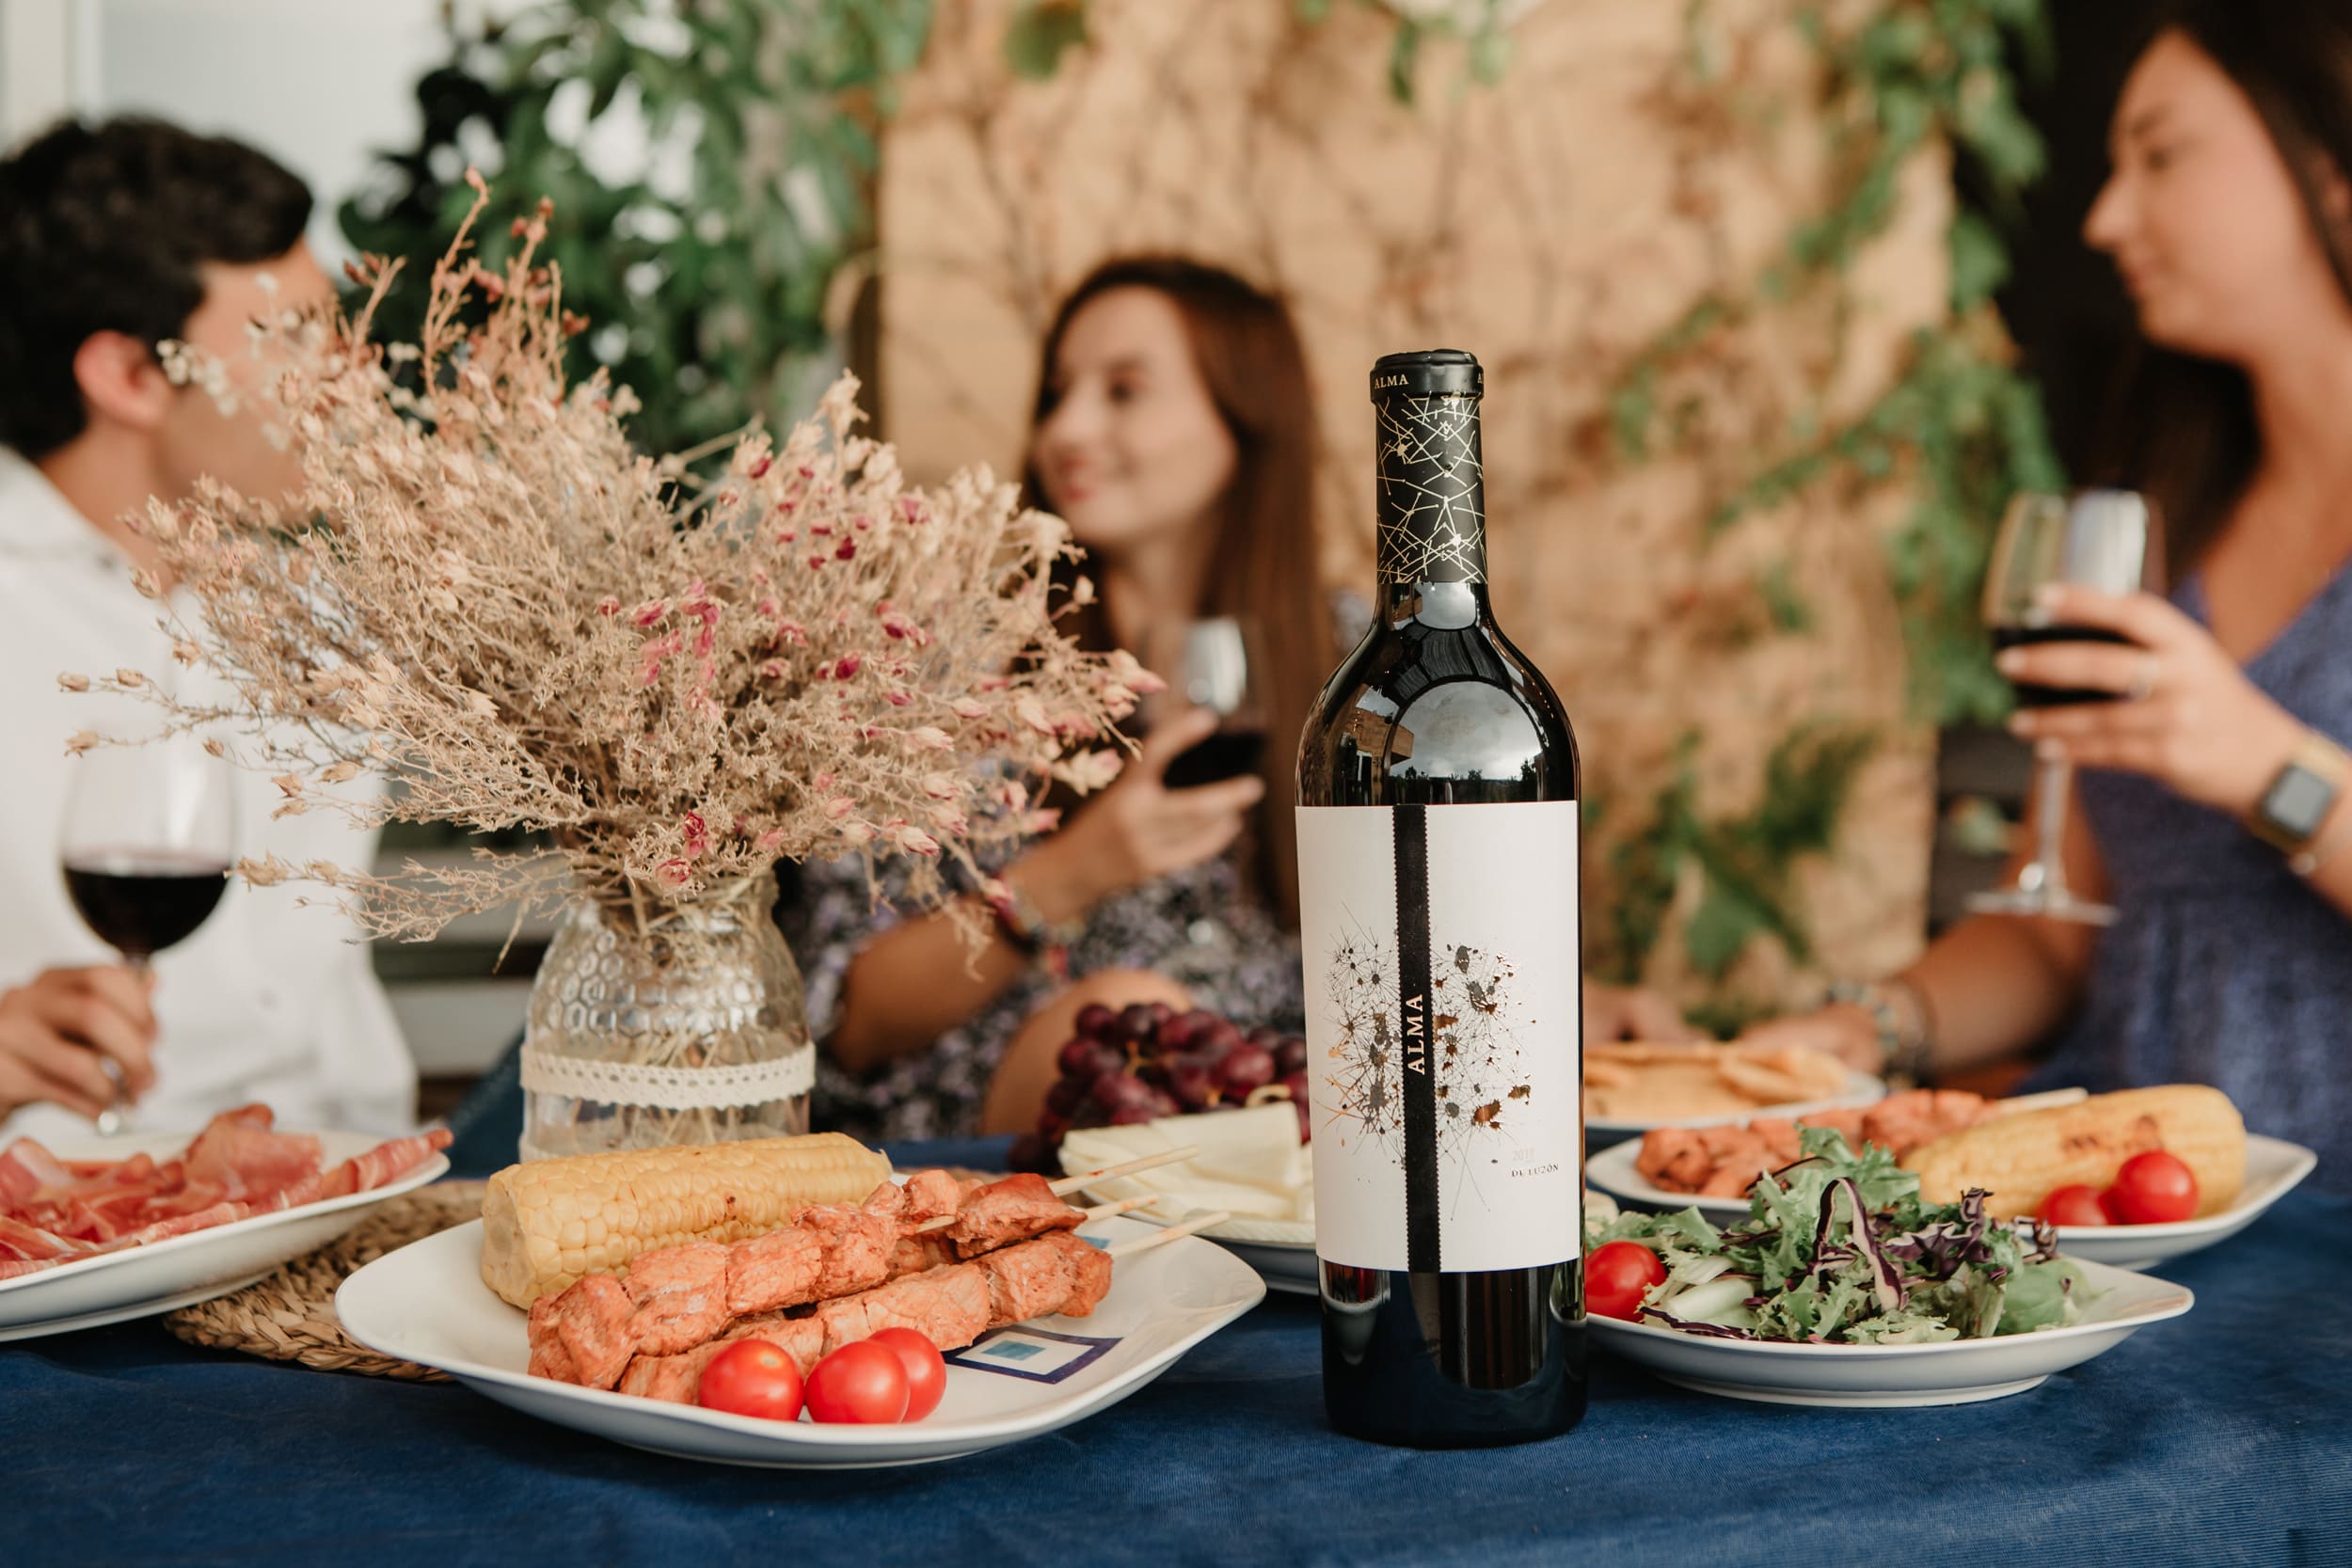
column 1419, row 1077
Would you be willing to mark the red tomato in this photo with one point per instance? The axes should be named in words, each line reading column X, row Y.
column 927, row 1374
column 752, row 1377
column 2076, row 1205
column 1617, row 1276
column 2155, row 1188
column 863, row 1383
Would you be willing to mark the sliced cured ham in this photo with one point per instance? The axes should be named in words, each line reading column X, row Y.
column 55, row 1211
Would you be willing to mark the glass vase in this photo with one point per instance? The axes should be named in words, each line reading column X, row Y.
column 650, row 1028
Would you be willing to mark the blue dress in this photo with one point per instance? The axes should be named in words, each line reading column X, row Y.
column 2223, row 967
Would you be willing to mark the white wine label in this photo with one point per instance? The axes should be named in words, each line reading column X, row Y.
column 1444, row 1033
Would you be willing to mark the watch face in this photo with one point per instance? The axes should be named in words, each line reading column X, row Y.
column 2298, row 801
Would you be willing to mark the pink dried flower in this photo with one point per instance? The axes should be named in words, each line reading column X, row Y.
column 674, row 873
column 697, row 835
column 930, row 738
column 915, row 840
column 772, row 670
column 71, row 682
column 839, row 807
column 846, row 667
column 651, row 610
column 969, row 708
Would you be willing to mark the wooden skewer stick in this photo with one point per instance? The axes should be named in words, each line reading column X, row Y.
column 1171, row 1233
column 2040, row 1101
column 1099, row 1211
column 1069, row 1184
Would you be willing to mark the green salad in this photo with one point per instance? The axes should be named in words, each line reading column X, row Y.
column 1838, row 1249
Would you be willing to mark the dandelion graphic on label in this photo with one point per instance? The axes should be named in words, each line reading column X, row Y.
column 1474, row 1054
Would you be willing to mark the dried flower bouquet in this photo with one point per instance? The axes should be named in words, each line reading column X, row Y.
column 484, row 596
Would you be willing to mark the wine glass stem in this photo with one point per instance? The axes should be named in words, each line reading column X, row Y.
column 2053, row 782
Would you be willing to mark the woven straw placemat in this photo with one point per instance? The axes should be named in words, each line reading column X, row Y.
column 290, row 1316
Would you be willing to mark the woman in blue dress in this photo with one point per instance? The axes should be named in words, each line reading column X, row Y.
column 2215, row 800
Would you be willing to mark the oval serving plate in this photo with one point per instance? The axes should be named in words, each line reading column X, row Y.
column 1958, row 1371
column 426, row 1303
column 181, row 1271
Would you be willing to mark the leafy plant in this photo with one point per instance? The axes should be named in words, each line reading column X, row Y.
column 708, row 165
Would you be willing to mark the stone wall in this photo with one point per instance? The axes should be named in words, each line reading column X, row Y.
column 1555, row 224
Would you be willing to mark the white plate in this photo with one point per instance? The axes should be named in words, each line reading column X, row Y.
column 1861, row 1089
column 181, row 1271
column 2273, row 1168
column 426, row 1303
column 1958, row 1372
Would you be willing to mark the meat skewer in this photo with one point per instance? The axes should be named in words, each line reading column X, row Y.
column 679, row 1298
column 950, row 1305
column 1069, row 1184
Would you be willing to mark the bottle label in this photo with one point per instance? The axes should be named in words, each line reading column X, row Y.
column 1444, row 1033
column 1431, row 491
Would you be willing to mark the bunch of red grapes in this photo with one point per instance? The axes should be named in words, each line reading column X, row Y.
column 1148, row 1060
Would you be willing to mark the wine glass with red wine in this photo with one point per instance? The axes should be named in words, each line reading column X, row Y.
column 1214, row 667
column 2105, row 540
column 149, row 833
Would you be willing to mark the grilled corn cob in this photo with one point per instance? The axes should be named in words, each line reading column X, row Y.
column 548, row 1223
column 2020, row 1160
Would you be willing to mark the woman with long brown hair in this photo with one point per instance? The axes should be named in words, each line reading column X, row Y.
column 1174, row 430
column 2216, row 794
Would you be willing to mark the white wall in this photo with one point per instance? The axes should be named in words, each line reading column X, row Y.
column 317, row 84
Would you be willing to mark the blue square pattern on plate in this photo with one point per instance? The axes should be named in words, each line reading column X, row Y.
column 1035, row 1355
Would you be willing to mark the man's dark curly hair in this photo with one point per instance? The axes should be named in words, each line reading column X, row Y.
column 102, row 228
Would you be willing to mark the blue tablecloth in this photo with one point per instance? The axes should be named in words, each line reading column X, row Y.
column 2224, row 1438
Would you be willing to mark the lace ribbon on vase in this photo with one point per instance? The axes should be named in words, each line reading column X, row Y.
column 669, row 1088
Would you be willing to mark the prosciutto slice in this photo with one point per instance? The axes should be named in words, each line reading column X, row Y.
column 55, row 1211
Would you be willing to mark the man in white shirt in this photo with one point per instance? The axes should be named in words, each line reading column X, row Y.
column 113, row 238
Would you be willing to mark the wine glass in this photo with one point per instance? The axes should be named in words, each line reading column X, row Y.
column 1212, row 665
column 2105, row 540
column 149, row 832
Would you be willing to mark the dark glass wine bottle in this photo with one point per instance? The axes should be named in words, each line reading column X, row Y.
column 1439, row 893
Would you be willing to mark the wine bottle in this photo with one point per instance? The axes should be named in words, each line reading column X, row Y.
column 1439, row 902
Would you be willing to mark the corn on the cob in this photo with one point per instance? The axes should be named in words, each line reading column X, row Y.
column 548, row 1223
column 2020, row 1160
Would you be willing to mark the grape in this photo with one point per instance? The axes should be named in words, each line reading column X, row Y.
column 1129, row 1116
column 1161, row 1013
column 1051, row 1127
column 1063, row 1097
column 1263, row 1034
column 1193, row 1082
column 1115, row 1091
column 1088, row 1060
column 1297, row 1083
column 1306, row 1120
column 1153, row 1074
column 1137, row 1020
column 1218, row 1039
column 1094, row 1021
column 1244, row 1068
column 1031, row 1151
column 1088, row 1113
column 1163, row 1103
column 1290, row 1055
column 1179, row 1033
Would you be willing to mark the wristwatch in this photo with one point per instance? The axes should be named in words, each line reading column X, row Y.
column 1904, row 1049
column 2300, row 794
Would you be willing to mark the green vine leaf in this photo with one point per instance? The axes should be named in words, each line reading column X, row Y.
column 1042, row 31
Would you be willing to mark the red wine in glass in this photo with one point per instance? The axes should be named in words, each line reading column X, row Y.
column 1226, row 755
column 141, row 901
column 2005, row 638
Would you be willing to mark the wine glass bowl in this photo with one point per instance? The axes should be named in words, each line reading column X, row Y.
column 145, row 846
column 2101, row 539
column 1215, row 665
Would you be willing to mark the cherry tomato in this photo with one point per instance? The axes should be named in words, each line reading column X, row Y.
column 2155, row 1188
column 863, row 1383
column 1617, row 1276
column 752, row 1377
column 927, row 1374
column 2076, row 1205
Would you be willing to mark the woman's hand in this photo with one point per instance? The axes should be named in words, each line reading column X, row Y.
column 1139, row 828
column 56, row 1028
column 2189, row 718
column 1841, row 1030
column 1630, row 1013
